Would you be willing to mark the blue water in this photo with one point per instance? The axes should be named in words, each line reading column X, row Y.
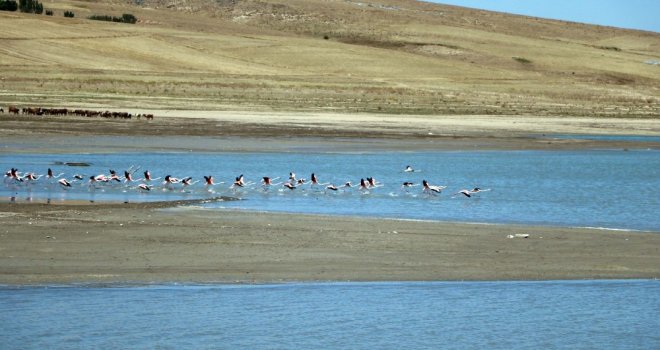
column 613, row 189
column 608, row 188
column 444, row 315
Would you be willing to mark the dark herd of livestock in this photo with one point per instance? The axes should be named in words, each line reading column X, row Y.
column 75, row 112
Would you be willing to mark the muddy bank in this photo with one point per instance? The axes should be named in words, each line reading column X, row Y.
column 41, row 244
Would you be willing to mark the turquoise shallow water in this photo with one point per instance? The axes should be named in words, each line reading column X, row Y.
column 445, row 315
column 608, row 188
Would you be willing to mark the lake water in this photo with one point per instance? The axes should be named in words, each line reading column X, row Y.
column 598, row 188
column 605, row 188
column 443, row 315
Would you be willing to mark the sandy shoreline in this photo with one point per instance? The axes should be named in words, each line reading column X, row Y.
column 124, row 243
column 247, row 132
column 107, row 243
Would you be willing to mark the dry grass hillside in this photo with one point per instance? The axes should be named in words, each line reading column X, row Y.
column 389, row 56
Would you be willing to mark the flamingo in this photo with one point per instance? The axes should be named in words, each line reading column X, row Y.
column 315, row 181
column 100, row 178
column 432, row 189
column 208, row 180
column 239, row 181
column 128, row 176
column 31, row 176
column 364, row 186
column 466, row 193
column 51, row 176
column 407, row 185
column 114, row 176
column 93, row 180
column 169, row 179
column 148, row 178
column 9, row 176
column 64, row 183
column 470, row 193
column 16, row 176
column 267, row 181
column 188, row 181
column 373, row 183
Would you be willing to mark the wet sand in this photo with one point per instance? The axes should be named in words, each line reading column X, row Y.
column 234, row 131
column 144, row 243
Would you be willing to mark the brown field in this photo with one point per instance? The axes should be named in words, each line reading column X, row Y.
column 391, row 56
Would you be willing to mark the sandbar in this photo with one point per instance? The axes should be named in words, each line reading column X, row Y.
column 144, row 243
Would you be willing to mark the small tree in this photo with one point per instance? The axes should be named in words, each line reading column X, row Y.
column 125, row 18
column 100, row 18
column 522, row 60
column 30, row 6
column 128, row 18
column 8, row 5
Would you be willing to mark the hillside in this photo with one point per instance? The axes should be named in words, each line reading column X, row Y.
column 390, row 56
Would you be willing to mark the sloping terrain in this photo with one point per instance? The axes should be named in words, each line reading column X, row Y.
column 395, row 56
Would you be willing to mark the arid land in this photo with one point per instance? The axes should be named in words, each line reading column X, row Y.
column 339, row 75
column 398, row 57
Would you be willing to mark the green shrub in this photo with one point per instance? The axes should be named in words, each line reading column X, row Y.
column 128, row 18
column 49, row 12
column 522, row 60
column 100, row 18
column 68, row 14
column 30, row 6
column 125, row 18
column 8, row 5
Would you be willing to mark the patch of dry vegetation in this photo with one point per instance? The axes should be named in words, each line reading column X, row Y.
column 395, row 56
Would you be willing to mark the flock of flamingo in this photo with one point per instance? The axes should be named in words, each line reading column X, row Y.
column 15, row 179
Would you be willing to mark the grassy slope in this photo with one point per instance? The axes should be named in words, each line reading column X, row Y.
column 394, row 56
